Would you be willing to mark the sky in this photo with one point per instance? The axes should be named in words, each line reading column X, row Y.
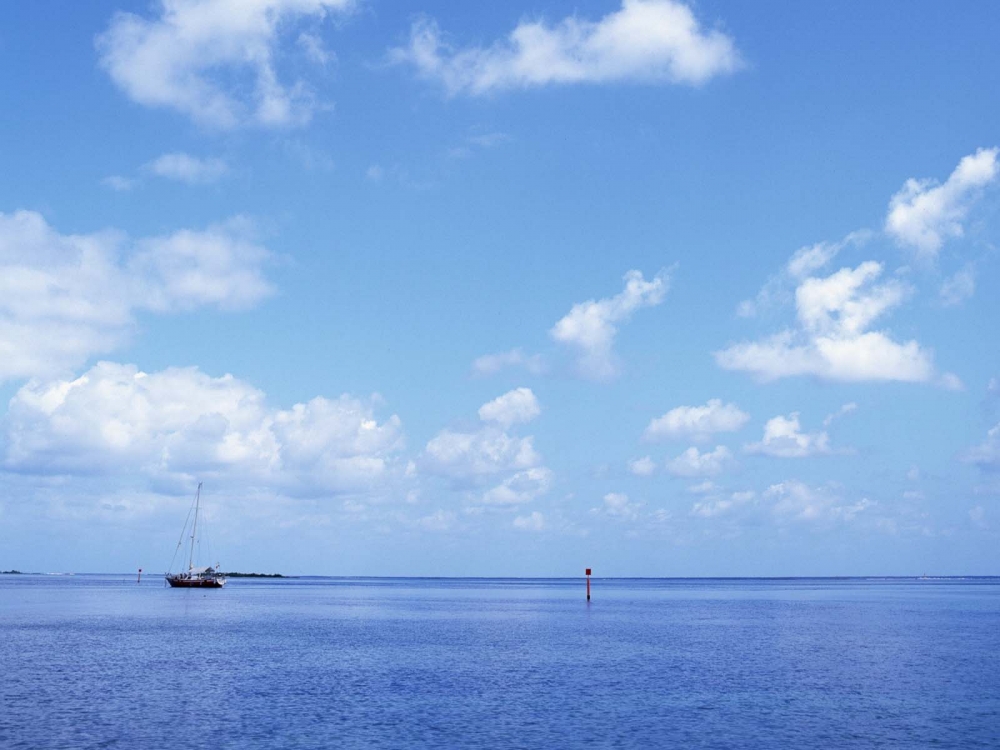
column 651, row 287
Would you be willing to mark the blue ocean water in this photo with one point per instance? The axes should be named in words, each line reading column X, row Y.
column 101, row 662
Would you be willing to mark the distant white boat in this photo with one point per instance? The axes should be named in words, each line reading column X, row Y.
column 195, row 578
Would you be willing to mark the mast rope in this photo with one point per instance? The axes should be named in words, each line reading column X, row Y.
column 181, row 540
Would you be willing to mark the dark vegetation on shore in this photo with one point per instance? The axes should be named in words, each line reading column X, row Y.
column 10, row 572
column 254, row 575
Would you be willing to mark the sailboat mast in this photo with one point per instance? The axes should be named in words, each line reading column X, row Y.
column 194, row 526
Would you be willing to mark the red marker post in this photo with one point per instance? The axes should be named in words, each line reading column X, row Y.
column 588, row 584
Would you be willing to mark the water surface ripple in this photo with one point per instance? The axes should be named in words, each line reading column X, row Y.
column 100, row 662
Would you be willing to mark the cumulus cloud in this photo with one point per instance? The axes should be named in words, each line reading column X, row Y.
column 468, row 455
column 522, row 487
column 797, row 501
column 807, row 260
column 214, row 60
column 474, row 457
column 218, row 266
column 719, row 506
column 924, row 214
column 532, row 522
column 841, row 412
column 642, row 467
column 514, row 407
column 439, row 521
column 617, row 505
column 64, row 298
column 986, row 455
column 181, row 422
column 490, row 364
column 958, row 287
column 650, row 41
column 118, row 183
column 694, row 463
column 186, row 168
column 698, row 423
column 783, row 438
column 479, row 458
column 591, row 326
column 314, row 49
column 707, row 487
column 833, row 340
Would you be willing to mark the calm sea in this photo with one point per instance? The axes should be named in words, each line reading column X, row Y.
column 100, row 662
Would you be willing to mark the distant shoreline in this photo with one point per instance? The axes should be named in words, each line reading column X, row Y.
column 237, row 574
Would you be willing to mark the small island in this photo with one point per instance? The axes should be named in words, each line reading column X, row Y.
column 10, row 573
column 254, row 575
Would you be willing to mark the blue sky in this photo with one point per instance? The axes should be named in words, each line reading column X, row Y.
column 452, row 289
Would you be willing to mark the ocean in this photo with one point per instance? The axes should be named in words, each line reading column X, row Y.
column 98, row 661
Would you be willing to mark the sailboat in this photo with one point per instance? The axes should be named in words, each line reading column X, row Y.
column 194, row 578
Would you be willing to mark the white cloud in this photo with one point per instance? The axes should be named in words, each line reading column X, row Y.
column 693, row 463
column 489, row 450
column 617, row 504
column 923, row 214
column 833, row 341
column 217, row 266
column 213, row 60
column 986, row 455
column 118, row 183
column 804, row 262
column 186, row 168
column 697, row 422
column 653, row 41
column 514, row 407
column 710, row 508
column 798, row 501
column 313, row 48
column 439, row 520
column 375, row 173
column 642, row 467
column 490, row 364
column 783, row 438
column 708, row 487
column 180, row 422
column 841, row 412
column 978, row 516
column 951, row 382
column 591, row 326
column 522, row 487
column 959, row 287
column 64, row 298
column 846, row 302
column 533, row 522
column 466, row 455
column 807, row 260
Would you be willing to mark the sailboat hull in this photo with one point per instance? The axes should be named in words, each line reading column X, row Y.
column 196, row 583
